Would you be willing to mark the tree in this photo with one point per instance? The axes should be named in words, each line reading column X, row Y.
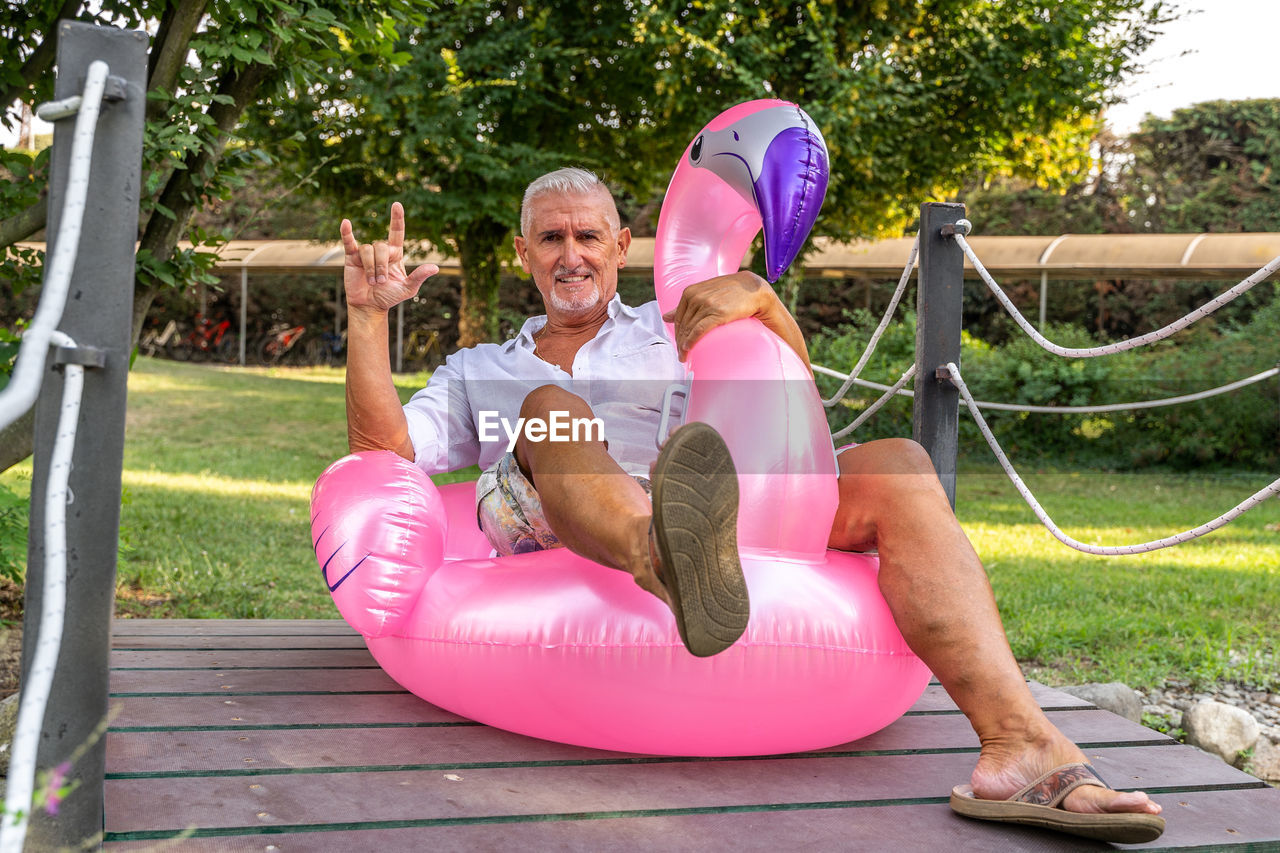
column 1213, row 166
column 911, row 99
column 493, row 95
column 209, row 60
column 1210, row 167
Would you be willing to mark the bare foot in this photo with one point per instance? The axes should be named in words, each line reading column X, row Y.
column 1004, row 768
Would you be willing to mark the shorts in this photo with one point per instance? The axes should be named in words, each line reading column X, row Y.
column 509, row 509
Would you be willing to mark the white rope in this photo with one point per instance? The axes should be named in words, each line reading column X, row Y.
column 39, row 680
column 865, row 383
column 888, row 395
column 1145, row 404
column 1119, row 346
column 884, row 324
column 1108, row 407
column 1101, row 550
column 24, row 384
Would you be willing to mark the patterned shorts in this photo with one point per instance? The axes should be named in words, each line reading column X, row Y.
column 510, row 512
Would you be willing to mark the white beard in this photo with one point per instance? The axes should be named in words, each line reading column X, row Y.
column 576, row 305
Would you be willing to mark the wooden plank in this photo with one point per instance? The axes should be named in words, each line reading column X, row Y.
column 226, row 642
column 935, row 699
column 157, row 751
column 231, row 681
column 228, row 711
column 233, row 659
column 338, row 770
column 1205, row 821
column 228, row 627
column 589, row 789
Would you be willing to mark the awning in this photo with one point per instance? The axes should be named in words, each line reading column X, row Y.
column 1063, row 256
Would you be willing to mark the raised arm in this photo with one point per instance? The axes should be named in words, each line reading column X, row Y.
column 717, row 301
column 374, row 278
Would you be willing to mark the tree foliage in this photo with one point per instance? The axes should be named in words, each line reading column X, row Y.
column 209, row 60
column 1210, row 167
column 910, row 96
column 1214, row 166
column 492, row 95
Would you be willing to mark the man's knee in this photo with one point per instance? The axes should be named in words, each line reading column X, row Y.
column 545, row 399
column 887, row 456
column 892, row 475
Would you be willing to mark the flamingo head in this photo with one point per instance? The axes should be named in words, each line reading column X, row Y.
column 776, row 159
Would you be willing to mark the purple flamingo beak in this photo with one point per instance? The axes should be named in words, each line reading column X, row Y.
column 789, row 193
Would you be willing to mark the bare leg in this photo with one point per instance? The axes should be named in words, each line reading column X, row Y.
column 891, row 500
column 591, row 504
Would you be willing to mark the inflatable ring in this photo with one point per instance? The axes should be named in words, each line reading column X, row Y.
column 551, row 645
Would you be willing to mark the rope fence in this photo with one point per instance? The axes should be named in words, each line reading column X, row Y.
column 951, row 373
column 15, row 400
column 1119, row 346
column 95, row 165
column 20, row 394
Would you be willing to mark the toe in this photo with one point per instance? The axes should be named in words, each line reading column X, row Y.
column 1090, row 799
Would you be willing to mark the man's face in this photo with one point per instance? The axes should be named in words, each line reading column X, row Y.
column 572, row 251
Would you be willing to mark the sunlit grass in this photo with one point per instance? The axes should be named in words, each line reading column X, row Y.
column 219, row 487
column 1207, row 609
column 218, row 469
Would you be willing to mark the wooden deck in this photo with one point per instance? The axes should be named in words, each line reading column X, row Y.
column 284, row 735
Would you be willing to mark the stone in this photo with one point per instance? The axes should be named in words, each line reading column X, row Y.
column 8, row 722
column 1222, row 730
column 1265, row 763
column 1116, row 697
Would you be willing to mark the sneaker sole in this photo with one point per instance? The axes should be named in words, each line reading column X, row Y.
column 695, row 521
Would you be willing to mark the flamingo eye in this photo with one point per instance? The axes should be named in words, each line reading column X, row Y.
column 695, row 154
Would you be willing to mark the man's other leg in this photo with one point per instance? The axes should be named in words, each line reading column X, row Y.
column 937, row 589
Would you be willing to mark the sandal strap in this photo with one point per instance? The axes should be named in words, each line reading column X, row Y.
column 1052, row 788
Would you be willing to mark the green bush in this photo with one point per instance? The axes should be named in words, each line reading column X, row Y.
column 1241, row 428
column 13, row 536
column 840, row 349
column 1021, row 372
column 1238, row 429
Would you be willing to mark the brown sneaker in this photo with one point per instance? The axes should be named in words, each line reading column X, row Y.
column 695, row 531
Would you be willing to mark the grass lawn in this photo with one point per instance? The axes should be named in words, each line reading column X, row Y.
column 219, row 464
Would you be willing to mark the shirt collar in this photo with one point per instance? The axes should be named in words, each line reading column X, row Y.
column 533, row 325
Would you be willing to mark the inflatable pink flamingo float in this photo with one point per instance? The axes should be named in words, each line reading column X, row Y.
column 552, row 645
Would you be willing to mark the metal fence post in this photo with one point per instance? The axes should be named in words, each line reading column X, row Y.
column 98, row 314
column 936, row 409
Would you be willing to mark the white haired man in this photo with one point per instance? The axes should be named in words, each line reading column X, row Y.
column 589, row 495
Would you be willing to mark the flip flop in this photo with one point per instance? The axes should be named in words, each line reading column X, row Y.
column 695, row 531
column 1039, row 804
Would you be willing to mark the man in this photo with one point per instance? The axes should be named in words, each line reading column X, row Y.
column 589, row 494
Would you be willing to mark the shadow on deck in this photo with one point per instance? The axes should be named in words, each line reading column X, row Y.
column 285, row 735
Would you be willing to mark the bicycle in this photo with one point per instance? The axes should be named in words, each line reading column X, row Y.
column 208, row 341
column 329, row 349
column 279, row 343
column 154, row 343
column 422, row 350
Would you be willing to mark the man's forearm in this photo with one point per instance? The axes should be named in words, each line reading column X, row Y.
column 778, row 320
column 375, row 417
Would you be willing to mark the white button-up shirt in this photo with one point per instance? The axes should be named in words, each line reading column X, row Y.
column 622, row 374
